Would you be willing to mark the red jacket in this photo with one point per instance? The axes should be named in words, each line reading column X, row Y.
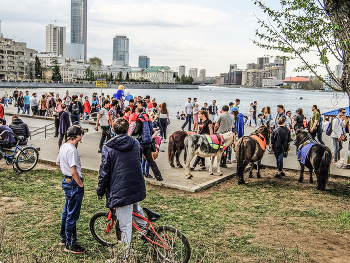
column 87, row 107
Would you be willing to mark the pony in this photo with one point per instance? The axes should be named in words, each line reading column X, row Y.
column 318, row 159
column 198, row 144
column 249, row 150
column 175, row 147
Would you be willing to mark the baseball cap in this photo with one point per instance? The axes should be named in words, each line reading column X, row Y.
column 75, row 130
column 234, row 109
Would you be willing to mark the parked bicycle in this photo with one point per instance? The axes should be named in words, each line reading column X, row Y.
column 168, row 242
column 24, row 158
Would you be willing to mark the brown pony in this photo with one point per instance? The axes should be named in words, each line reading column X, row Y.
column 248, row 150
column 175, row 147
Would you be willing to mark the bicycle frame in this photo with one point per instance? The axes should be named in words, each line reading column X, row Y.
column 149, row 224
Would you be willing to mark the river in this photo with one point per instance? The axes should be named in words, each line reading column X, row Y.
column 176, row 99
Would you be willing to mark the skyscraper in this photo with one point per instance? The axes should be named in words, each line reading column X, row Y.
column 202, row 75
column 79, row 23
column 56, row 40
column 143, row 62
column 193, row 72
column 182, row 71
column 121, row 50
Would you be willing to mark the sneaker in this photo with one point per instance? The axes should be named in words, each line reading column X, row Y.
column 76, row 249
column 277, row 175
column 182, row 128
column 159, row 178
column 99, row 151
column 164, row 141
column 283, row 174
column 62, row 242
column 160, row 150
column 203, row 168
column 192, row 168
column 148, row 176
column 228, row 162
column 223, row 166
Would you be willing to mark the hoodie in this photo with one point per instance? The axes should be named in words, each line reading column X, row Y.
column 239, row 125
column 120, row 176
column 20, row 129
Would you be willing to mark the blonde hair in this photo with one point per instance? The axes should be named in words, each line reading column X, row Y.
column 152, row 116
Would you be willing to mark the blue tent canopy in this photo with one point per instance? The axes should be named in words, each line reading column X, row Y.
column 336, row 111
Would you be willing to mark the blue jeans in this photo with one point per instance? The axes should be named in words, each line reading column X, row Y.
column 337, row 146
column 73, row 194
column 145, row 166
column 27, row 108
column 319, row 136
column 279, row 160
column 75, row 118
column 86, row 115
column 189, row 121
column 21, row 108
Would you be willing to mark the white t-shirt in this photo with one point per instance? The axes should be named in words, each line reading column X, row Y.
column 69, row 157
column 67, row 99
column 189, row 107
column 325, row 125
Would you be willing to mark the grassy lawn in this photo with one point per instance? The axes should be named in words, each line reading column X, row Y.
column 267, row 220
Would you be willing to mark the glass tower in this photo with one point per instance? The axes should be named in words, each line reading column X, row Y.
column 79, row 23
column 121, row 50
column 143, row 62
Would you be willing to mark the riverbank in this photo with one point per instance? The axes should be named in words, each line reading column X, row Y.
column 39, row 85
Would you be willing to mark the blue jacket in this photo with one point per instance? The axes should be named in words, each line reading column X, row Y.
column 120, row 176
column 239, row 125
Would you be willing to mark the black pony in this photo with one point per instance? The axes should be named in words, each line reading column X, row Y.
column 248, row 150
column 318, row 159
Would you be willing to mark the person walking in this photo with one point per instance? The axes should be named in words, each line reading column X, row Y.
column 26, row 103
column 255, row 107
column 337, row 134
column 320, row 130
column 224, row 123
column 64, row 125
column 280, row 114
column 102, row 120
column 213, row 111
column 20, row 103
column 20, row 129
column 33, row 104
column 280, row 139
column 298, row 122
column 75, row 109
column 6, row 99
column 72, row 184
column 239, row 122
column 315, row 122
column 58, row 109
column 87, row 108
column 42, row 105
column 120, row 178
column 206, row 127
column 144, row 131
column 15, row 96
column 195, row 117
column 188, row 114
column 238, row 101
column 95, row 107
column 163, row 119
column 250, row 121
column 289, row 119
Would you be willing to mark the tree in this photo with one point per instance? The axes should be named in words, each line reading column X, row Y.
column 110, row 77
column 95, row 62
column 38, row 69
column 310, row 27
column 89, row 74
column 56, row 73
column 120, row 76
column 127, row 76
column 177, row 79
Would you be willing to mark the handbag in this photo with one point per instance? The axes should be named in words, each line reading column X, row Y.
column 168, row 122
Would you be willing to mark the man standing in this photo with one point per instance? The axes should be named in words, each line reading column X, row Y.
column 188, row 114
column 337, row 134
column 15, row 95
column 132, row 105
column 102, row 119
column 26, row 102
column 80, row 99
column 255, row 106
column 238, row 101
column 69, row 161
column 224, row 124
column 75, row 109
column 213, row 111
column 95, row 106
column 33, row 104
column 67, row 98
column 315, row 122
column 149, row 106
column 120, row 178
column 280, row 113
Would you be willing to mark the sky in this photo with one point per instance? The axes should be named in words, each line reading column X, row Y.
column 203, row 34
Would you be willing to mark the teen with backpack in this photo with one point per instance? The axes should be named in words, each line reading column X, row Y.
column 75, row 109
column 144, row 131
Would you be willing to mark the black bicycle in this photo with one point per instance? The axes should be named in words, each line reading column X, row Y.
column 24, row 158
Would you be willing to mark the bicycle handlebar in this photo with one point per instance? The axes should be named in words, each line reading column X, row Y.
column 6, row 131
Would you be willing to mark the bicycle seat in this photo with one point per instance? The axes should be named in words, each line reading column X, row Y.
column 19, row 138
column 152, row 216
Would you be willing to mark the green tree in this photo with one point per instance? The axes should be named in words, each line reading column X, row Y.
column 95, row 62
column 127, row 76
column 56, row 73
column 177, row 79
column 300, row 28
column 120, row 76
column 38, row 69
column 183, row 79
column 110, row 77
column 89, row 74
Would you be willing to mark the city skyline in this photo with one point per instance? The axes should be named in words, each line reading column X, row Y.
column 200, row 39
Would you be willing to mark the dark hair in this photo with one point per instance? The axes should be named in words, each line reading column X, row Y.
column 189, row 99
column 260, row 115
column 74, row 97
column 59, row 100
column 163, row 110
column 131, row 100
column 127, row 109
column 230, row 104
column 43, row 96
column 318, row 111
column 114, row 103
column 281, row 120
column 237, row 100
column 205, row 113
column 139, row 109
column 14, row 117
column 341, row 109
column 315, row 106
column 255, row 102
column 280, row 106
column 225, row 108
column 34, row 94
column 300, row 111
column 326, row 119
column 147, row 97
column 139, row 101
column 105, row 102
column 289, row 111
column 268, row 110
column 194, row 98
column 63, row 106
column 120, row 126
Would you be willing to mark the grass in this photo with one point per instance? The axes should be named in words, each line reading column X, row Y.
column 262, row 221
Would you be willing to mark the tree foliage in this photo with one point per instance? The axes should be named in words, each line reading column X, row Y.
column 119, row 76
column 186, row 79
column 89, row 74
column 298, row 29
column 38, row 68
column 95, row 62
column 56, row 73
column 127, row 76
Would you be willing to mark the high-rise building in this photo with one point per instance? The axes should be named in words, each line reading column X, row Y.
column 193, row 72
column 56, row 40
column 143, row 62
column 202, row 75
column 121, row 50
column 262, row 62
column 79, row 24
column 182, row 71
column 75, row 51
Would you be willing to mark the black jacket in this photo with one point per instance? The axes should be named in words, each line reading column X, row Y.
column 20, row 129
column 81, row 108
column 280, row 139
column 120, row 176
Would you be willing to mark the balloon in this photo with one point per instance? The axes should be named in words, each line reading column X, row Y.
column 129, row 97
column 127, row 92
column 121, row 87
column 115, row 95
column 120, row 94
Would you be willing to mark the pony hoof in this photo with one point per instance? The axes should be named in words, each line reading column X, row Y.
column 220, row 174
column 172, row 165
column 180, row 166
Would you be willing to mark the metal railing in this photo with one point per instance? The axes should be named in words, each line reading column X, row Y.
column 43, row 132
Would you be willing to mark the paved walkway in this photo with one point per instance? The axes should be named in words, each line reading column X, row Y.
column 173, row 177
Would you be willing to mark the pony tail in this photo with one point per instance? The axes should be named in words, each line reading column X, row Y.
column 324, row 170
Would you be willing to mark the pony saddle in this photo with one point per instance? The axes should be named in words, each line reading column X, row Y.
column 152, row 216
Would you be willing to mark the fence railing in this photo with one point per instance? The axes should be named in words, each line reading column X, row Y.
column 43, row 132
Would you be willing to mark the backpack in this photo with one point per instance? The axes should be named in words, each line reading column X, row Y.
column 75, row 108
column 147, row 127
column 329, row 129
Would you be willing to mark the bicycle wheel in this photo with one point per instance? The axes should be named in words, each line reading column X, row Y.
column 27, row 158
column 98, row 226
column 178, row 248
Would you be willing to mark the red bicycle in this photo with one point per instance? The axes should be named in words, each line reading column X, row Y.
column 168, row 242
